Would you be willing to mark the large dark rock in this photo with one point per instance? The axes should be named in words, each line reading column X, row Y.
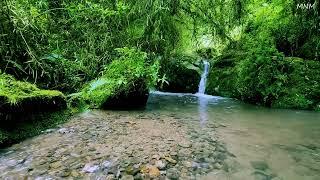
column 125, row 83
column 182, row 75
column 136, row 98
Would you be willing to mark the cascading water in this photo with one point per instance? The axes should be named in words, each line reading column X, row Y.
column 203, row 81
column 202, row 99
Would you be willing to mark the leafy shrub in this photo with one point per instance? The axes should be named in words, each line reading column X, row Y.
column 131, row 72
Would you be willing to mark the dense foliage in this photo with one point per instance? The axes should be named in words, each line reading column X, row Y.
column 130, row 72
column 258, row 67
column 181, row 73
column 63, row 45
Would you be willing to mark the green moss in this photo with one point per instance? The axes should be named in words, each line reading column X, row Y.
column 273, row 81
column 22, row 97
column 130, row 73
column 222, row 79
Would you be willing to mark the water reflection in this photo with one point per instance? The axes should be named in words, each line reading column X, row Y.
column 203, row 110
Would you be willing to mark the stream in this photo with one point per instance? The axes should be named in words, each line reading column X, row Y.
column 185, row 136
column 177, row 136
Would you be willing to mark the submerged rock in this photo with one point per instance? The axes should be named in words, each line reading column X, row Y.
column 90, row 168
column 154, row 172
column 160, row 164
column 173, row 174
column 127, row 177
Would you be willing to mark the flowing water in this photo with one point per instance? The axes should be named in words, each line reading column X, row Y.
column 184, row 136
column 203, row 81
column 266, row 143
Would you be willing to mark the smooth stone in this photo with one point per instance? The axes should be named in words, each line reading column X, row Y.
column 138, row 176
column 195, row 165
column 110, row 177
column 160, row 164
column 260, row 165
column 55, row 165
column 185, row 145
column 173, row 174
column 157, row 157
column 127, row 177
column 106, row 164
column 170, row 160
column 154, row 172
column 65, row 173
column 218, row 166
column 74, row 173
column 187, row 164
column 89, row 168
column 173, row 153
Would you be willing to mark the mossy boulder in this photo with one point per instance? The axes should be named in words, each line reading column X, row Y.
column 222, row 78
column 125, row 82
column 273, row 81
column 23, row 97
column 182, row 74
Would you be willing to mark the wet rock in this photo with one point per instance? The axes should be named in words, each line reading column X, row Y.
column 160, row 164
column 173, row 153
column 90, row 168
column 13, row 162
column 162, row 173
column 74, row 173
column 92, row 149
column 138, row 176
column 111, row 177
column 55, row 165
column 170, row 160
column 221, row 148
column 106, row 164
column 187, row 164
column 260, row 175
column 66, row 130
column 218, row 166
column 185, row 144
column 173, row 173
column 132, row 170
column 127, row 177
column 195, row 165
column 157, row 157
column 65, row 173
column 260, row 165
column 154, row 172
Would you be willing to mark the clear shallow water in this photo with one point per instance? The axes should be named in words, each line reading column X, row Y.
column 262, row 143
column 267, row 143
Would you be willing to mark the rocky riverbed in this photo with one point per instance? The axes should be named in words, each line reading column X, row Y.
column 119, row 145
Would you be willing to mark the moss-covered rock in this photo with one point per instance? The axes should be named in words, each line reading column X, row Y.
column 22, row 97
column 275, row 81
column 222, row 79
column 125, row 82
column 182, row 74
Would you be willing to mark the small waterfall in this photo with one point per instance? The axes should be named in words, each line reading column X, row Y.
column 203, row 82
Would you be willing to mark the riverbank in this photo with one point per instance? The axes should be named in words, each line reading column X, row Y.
column 276, row 82
column 177, row 136
column 127, row 145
